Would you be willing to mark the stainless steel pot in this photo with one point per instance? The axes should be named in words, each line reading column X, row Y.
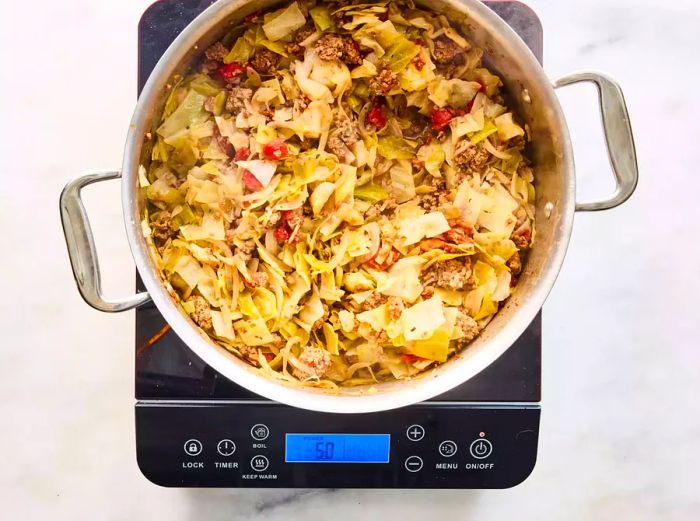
column 536, row 102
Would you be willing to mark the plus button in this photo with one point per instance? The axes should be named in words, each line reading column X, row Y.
column 415, row 433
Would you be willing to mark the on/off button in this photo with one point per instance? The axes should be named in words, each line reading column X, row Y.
column 481, row 448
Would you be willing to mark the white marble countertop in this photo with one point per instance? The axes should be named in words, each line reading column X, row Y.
column 620, row 436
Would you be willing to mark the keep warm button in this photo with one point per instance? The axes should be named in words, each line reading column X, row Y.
column 481, row 448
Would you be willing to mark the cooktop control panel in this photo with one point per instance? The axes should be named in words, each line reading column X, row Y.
column 239, row 444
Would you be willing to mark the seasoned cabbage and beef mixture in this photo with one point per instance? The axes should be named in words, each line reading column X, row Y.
column 339, row 193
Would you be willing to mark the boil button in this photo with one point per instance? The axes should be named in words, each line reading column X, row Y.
column 481, row 448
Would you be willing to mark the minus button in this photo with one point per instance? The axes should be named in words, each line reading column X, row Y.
column 413, row 463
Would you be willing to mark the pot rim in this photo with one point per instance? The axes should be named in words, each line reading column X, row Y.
column 399, row 394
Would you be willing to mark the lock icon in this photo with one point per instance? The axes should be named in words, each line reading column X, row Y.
column 193, row 447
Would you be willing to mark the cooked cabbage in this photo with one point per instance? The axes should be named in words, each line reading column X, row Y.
column 335, row 212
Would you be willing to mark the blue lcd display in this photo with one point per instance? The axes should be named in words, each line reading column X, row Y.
column 337, row 448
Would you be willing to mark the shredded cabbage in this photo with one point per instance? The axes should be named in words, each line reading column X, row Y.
column 331, row 204
column 285, row 23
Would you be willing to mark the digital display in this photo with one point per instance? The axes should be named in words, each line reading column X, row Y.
column 337, row 448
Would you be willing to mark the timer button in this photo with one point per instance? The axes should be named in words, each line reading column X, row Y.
column 259, row 463
column 260, row 432
column 415, row 433
column 226, row 447
column 481, row 448
column 413, row 463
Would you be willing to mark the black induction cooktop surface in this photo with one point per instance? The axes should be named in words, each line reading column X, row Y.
column 195, row 428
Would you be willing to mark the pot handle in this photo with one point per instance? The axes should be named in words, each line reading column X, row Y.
column 81, row 247
column 618, row 137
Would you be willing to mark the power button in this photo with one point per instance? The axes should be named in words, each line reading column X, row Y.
column 481, row 448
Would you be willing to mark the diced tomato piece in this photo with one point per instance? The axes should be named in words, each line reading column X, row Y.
column 251, row 18
column 409, row 359
column 457, row 236
column 231, row 70
column 275, row 150
column 482, row 88
column 251, row 182
column 288, row 215
column 440, row 118
column 470, row 105
column 376, row 117
column 282, row 233
column 242, row 154
column 269, row 356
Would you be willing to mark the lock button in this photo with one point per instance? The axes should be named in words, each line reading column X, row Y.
column 193, row 447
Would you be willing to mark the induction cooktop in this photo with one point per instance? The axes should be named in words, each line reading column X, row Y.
column 196, row 428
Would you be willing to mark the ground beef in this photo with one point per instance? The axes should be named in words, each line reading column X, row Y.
column 319, row 323
column 273, row 220
column 265, row 61
column 345, row 135
column 347, row 129
column 162, row 228
column 235, row 101
column 335, row 47
column 216, row 52
column 384, row 207
column 472, row 158
column 514, row 264
column 294, row 47
column 374, row 301
column 517, row 142
column 246, row 250
column 526, row 173
column 468, row 326
column 447, row 52
column 209, row 66
column 202, row 312
column 336, row 146
column 434, row 200
column 258, row 279
column 316, row 362
column 352, row 53
column 378, row 337
column 384, row 82
column 171, row 178
column 418, row 62
column 522, row 241
column 452, row 274
column 395, row 306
